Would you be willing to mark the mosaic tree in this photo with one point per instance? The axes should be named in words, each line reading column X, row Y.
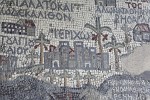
column 114, row 46
column 42, row 41
column 99, row 31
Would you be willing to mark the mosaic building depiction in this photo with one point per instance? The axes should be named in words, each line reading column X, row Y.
column 141, row 32
column 79, row 59
column 74, row 50
column 22, row 27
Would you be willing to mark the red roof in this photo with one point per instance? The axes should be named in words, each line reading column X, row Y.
column 142, row 27
column 29, row 23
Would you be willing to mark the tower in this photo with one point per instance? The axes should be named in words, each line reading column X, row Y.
column 79, row 59
column 51, row 58
column 92, row 51
column 87, row 63
column 64, row 54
